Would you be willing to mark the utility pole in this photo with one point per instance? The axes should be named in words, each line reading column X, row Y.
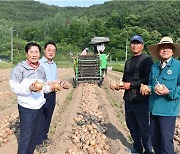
column 126, row 50
column 12, row 53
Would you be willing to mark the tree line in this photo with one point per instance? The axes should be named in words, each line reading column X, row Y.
column 73, row 27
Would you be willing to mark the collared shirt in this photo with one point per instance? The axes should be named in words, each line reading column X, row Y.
column 22, row 76
column 165, row 105
column 163, row 64
column 35, row 66
column 50, row 69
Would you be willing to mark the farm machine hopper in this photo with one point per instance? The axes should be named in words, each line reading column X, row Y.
column 91, row 67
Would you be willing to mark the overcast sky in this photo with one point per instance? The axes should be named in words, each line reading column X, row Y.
column 80, row 3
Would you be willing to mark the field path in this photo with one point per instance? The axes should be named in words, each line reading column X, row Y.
column 69, row 103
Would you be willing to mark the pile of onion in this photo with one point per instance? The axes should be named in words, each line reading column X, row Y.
column 87, row 138
column 7, row 127
column 177, row 130
column 5, row 94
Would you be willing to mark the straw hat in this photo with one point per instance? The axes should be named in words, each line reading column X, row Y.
column 153, row 49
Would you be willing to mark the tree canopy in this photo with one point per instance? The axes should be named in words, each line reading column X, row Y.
column 73, row 27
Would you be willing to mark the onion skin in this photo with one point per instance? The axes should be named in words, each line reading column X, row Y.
column 86, row 136
column 116, row 85
column 159, row 87
column 4, row 140
column 56, row 86
column 144, row 89
column 38, row 85
column 113, row 85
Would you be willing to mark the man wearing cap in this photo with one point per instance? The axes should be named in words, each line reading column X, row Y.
column 164, row 86
column 136, row 72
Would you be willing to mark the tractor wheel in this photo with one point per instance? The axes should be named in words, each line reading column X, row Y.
column 100, row 84
column 75, row 83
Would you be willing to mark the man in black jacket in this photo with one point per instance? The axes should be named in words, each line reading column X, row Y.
column 136, row 72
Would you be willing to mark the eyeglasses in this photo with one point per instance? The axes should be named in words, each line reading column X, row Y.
column 51, row 50
column 166, row 48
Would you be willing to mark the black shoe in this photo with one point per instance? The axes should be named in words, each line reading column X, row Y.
column 48, row 141
column 133, row 151
column 41, row 148
column 150, row 152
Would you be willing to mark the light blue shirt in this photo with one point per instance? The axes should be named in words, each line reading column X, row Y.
column 50, row 69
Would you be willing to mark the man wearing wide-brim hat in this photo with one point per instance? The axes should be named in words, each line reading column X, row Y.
column 164, row 86
column 154, row 49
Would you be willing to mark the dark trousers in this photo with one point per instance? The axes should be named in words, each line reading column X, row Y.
column 137, row 120
column 30, row 122
column 162, row 131
column 48, row 109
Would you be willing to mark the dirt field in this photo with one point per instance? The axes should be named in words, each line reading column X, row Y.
column 106, row 104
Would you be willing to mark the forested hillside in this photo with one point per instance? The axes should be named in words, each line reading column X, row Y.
column 73, row 27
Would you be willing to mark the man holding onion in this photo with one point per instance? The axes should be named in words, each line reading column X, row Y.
column 26, row 81
column 164, row 90
column 136, row 71
column 50, row 68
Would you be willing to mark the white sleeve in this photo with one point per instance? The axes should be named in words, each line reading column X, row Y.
column 20, row 88
column 46, row 88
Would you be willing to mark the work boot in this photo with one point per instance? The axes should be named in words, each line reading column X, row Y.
column 41, row 148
